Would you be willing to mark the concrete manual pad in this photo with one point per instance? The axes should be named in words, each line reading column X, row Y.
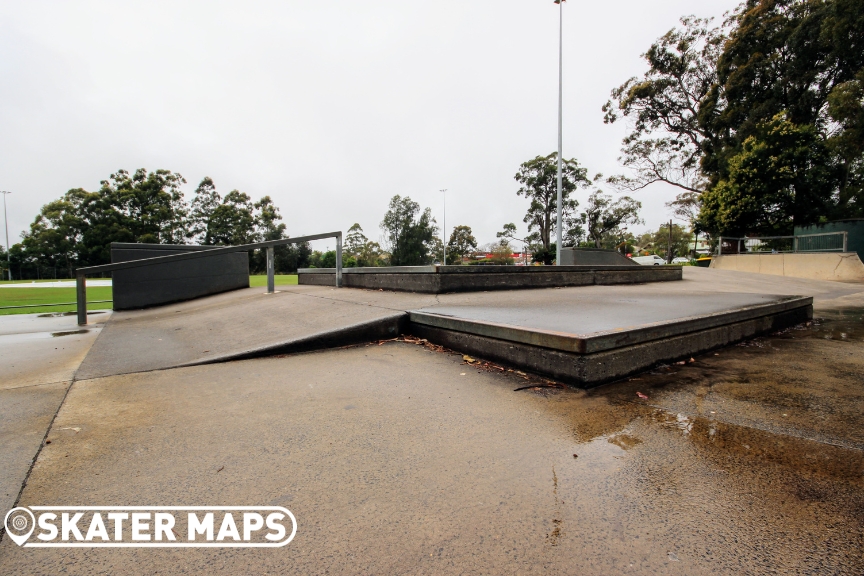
column 398, row 460
column 588, row 322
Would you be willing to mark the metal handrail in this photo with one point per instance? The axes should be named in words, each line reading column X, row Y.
column 81, row 273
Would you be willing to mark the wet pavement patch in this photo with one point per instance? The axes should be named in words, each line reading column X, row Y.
column 62, row 314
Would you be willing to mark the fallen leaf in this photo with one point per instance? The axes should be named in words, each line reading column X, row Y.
column 468, row 359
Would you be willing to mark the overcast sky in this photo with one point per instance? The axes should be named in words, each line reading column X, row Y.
column 330, row 107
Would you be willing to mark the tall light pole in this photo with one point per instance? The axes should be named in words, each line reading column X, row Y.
column 444, row 226
column 560, row 122
column 6, row 219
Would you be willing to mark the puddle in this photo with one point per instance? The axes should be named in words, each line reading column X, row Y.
column 625, row 441
column 69, row 333
column 62, row 314
column 791, row 399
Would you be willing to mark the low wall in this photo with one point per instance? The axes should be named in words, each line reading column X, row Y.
column 174, row 281
column 838, row 266
column 442, row 279
column 594, row 257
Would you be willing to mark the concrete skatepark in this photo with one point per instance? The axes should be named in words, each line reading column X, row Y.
column 398, row 456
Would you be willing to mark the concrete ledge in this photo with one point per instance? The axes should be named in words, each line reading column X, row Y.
column 587, row 370
column 441, row 279
column 837, row 266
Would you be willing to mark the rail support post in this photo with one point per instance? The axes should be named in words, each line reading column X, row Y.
column 271, row 270
column 339, row 260
column 81, row 298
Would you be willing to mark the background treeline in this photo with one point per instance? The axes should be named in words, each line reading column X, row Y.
column 78, row 229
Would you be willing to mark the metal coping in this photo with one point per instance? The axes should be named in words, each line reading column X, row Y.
column 608, row 339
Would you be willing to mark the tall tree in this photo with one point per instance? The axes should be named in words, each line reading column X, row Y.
column 78, row 229
column 410, row 232
column 355, row 240
column 539, row 184
column 668, row 136
column 784, row 63
column 773, row 183
column 680, row 241
column 205, row 202
column 604, row 216
column 461, row 243
column 233, row 221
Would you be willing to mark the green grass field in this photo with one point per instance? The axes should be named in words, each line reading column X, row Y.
column 29, row 296
column 281, row 280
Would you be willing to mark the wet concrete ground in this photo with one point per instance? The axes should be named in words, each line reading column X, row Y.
column 398, row 459
column 39, row 354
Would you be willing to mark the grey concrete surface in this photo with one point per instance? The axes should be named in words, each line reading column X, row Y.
column 25, row 414
column 232, row 326
column 399, row 460
column 169, row 282
column 44, row 348
column 39, row 354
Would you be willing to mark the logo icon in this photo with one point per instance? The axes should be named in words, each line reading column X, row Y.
column 20, row 523
column 151, row 527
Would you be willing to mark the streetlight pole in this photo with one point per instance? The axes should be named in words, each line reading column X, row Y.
column 560, row 122
column 444, row 226
column 6, row 219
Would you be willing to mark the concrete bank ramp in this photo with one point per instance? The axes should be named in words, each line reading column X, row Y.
column 238, row 325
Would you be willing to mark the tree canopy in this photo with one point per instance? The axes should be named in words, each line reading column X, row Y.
column 759, row 120
column 605, row 216
column 538, row 179
column 461, row 243
column 410, row 233
column 147, row 207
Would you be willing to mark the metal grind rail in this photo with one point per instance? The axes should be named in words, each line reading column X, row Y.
column 81, row 273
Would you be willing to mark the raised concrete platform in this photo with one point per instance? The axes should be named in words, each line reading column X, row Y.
column 596, row 339
column 582, row 335
column 445, row 279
